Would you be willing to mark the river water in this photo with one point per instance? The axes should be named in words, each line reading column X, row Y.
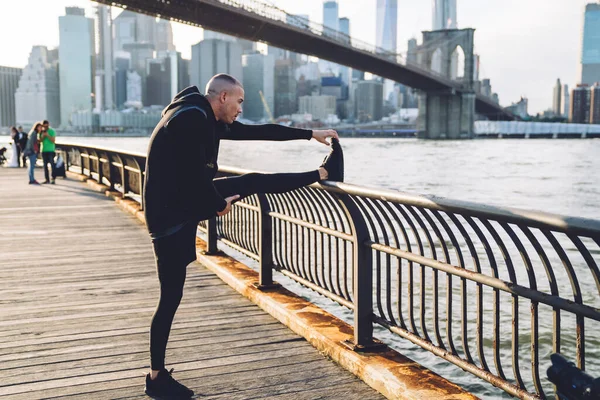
column 550, row 175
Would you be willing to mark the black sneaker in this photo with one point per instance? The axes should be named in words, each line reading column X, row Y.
column 334, row 162
column 164, row 387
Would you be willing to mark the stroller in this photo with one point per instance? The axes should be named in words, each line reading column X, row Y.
column 2, row 156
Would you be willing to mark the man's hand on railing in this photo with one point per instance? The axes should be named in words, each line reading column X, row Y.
column 229, row 200
column 322, row 135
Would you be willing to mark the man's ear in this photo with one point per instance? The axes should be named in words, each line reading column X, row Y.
column 223, row 96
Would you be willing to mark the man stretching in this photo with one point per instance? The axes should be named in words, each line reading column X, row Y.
column 180, row 192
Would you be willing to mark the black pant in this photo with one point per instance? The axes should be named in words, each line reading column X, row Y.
column 173, row 253
column 48, row 158
column 19, row 155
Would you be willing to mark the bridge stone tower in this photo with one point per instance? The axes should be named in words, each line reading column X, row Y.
column 448, row 114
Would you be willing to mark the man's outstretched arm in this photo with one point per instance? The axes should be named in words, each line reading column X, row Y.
column 239, row 131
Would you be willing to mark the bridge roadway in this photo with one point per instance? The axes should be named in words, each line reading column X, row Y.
column 77, row 293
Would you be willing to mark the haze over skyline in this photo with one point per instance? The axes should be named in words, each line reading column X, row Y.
column 524, row 47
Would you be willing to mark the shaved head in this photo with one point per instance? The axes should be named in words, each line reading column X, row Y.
column 220, row 83
column 225, row 95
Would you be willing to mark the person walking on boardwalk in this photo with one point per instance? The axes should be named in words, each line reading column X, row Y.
column 180, row 190
column 48, row 140
column 22, row 144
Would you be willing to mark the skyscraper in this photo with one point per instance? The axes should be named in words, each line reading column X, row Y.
column 444, row 14
column 285, row 88
column 344, row 25
column 38, row 94
column 595, row 104
column 104, row 83
column 158, row 82
column 566, row 101
column 124, row 29
column 9, row 80
column 580, row 105
column 75, row 53
column 369, row 101
column 214, row 56
column 331, row 22
column 387, row 25
column 130, row 27
column 121, row 68
column 557, row 98
column 164, row 36
column 134, row 89
column 331, row 14
column 590, row 52
column 258, row 72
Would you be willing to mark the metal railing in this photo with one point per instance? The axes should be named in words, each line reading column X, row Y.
column 493, row 290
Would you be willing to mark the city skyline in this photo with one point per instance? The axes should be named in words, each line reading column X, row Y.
column 505, row 53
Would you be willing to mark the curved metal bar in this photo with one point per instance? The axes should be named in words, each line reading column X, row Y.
column 311, row 195
column 568, row 266
column 434, row 256
column 391, row 229
column 475, row 257
column 316, row 219
column 410, row 271
column 388, row 261
column 293, row 211
column 435, row 277
column 494, row 267
column 463, row 288
column 515, row 301
column 534, row 304
column 277, row 232
column 304, row 213
column 553, row 289
column 589, row 260
column 333, row 206
column 393, row 212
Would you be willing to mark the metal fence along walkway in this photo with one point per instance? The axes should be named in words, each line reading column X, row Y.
column 77, row 293
column 493, row 290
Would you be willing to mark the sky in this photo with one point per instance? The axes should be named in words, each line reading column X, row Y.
column 525, row 45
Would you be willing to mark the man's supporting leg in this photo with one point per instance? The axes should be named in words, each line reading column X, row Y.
column 52, row 165
column 46, row 159
column 249, row 184
column 173, row 254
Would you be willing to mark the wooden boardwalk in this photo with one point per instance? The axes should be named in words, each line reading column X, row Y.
column 77, row 293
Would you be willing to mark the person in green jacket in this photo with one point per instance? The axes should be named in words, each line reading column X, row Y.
column 48, row 140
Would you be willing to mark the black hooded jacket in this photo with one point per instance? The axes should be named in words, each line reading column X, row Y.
column 182, row 160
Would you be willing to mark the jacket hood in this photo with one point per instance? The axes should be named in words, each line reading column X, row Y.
column 189, row 96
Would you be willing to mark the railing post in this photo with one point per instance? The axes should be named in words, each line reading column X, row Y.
column 362, row 285
column 211, row 236
column 67, row 163
column 265, row 245
column 100, row 169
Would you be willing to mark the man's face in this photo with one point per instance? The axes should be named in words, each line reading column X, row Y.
column 46, row 126
column 232, row 105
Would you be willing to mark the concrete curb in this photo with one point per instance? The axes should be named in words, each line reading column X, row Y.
column 390, row 373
